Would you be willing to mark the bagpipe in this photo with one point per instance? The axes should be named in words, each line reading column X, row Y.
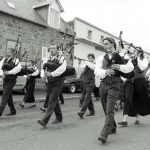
column 53, row 66
column 7, row 65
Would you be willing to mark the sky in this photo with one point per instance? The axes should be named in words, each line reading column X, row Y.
column 130, row 16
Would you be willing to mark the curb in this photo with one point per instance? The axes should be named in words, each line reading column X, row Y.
column 39, row 100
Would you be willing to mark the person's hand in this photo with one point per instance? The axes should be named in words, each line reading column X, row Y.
column 109, row 72
column 48, row 74
column 28, row 76
column 6, row 73
column 115, row 67
column 3, row 76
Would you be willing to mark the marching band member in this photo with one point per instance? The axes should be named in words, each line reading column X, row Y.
column 55, row 84
column 9, row 81
column 137, row 96
column 88, row 85
column 30, row 85
column 108, row 68
column 61, row 98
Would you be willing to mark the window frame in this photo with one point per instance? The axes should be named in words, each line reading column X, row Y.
column 89, row 36
column 52, row 22
column 9, row 46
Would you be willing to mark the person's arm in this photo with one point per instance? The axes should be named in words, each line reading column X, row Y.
column 142, row 64
column 42, row 70
column 1, row 64
column 126, row 68
column 16, row 69
column 99, row 71
column 35, row 73
column 61, row 69
column 148, row 73
column 90, row 65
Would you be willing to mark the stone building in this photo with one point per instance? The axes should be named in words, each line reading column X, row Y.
column 38, row 22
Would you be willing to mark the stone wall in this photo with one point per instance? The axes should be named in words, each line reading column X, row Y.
column 33, row 36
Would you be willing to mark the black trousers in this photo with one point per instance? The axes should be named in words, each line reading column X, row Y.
column 7, row 96
column 87, row 99
column 54, row 90
column 128, row 95
column 61, row 98
column 30, row 86
column 109, row 94
column 96, row 91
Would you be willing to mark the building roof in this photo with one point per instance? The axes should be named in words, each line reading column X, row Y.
column 44, row 3
column 23, row 9
column 77, row 18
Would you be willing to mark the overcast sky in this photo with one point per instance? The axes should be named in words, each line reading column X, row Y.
column 130, row 16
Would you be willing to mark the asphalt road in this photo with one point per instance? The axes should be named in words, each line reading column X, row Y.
column 22, row 132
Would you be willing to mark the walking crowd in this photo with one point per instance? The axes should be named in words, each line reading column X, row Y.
column 109, row 77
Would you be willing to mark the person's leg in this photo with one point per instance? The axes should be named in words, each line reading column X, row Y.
column 91, row 108
column 7, row 93
column 127, row 104
column 45, row 105
column 113, row 92
column 87, row 99
column 11, row 105
column 54, row 89
column 61, row 98
column 82, row 96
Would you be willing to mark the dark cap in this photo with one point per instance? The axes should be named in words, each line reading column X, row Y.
column 112, row 41
column 91, row 54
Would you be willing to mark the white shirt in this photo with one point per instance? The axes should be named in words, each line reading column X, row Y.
column 142, row 64
column 35, row 73
column 100, row 72
column 60, row 70
column 89, row 64
column 14, row 71
column 1, row 64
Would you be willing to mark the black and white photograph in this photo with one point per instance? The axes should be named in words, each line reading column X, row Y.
column 74, row 75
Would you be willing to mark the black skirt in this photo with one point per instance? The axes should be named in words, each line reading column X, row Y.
column 140, row 104
column 30, row 86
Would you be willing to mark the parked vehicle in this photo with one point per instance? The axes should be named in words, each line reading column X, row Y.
column 72, row 84
column 20, row 85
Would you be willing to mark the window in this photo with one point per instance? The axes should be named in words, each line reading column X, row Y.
column 89, row 34
column 44, row 53
column 102, row 38
column 11, row 5
column 54, row 18
column 11, row 44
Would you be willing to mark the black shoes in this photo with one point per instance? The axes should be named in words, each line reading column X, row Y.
column 91, row 114
column 11, row 113
column 21, row 105
column 80, row 105
column 102, row 139
column 137, row 122
column 43, row 109
column 42, row 123
column 123, row 123
column 56, row 121
column 80, row 115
